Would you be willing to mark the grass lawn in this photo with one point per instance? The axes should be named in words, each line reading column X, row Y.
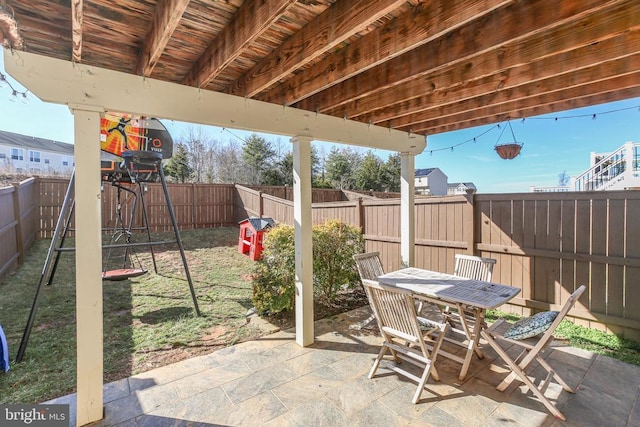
column 149, row 320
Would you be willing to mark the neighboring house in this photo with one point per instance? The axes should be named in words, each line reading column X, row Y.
column 461, row 188
column 617, row 170
column 30, row 155
column 430, row 181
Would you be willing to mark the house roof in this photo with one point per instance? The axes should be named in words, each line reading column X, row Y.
column 424, row 172
column 260, row 224
column 32, row 143
column 456, row 184
column 409, row 65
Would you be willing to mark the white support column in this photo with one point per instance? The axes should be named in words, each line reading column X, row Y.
column 303, row 239
column 407, row 210
column 89, row 321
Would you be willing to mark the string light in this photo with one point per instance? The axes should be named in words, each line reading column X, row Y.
column 15, row 94
column 593, row 116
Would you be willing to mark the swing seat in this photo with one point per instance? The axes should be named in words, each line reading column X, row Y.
column 122, row 274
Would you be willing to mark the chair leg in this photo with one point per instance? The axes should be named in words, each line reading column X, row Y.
column 376, row 362
column 422, row 382
column 522, row 376
column 549, row 369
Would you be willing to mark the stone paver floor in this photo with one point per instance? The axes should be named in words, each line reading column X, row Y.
column 274, row 382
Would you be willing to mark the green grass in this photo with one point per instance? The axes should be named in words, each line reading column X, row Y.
column 588, row 339
column 149, row 320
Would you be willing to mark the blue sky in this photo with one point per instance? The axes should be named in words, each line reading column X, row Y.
column 552, row 143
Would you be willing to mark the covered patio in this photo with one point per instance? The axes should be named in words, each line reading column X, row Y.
column 382, row 74
column 273, row 382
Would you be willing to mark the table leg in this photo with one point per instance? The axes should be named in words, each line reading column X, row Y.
column 472, row 339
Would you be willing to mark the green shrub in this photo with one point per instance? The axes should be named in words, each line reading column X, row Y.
column 275, row 274
column 334, row 244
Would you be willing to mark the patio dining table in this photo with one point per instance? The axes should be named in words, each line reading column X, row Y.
column 471, row 298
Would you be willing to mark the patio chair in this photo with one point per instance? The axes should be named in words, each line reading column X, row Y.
column 470, row 267
column 405, row 335
column 369, row 265
column 474, row 267
column 522, row 336
column 369, row 268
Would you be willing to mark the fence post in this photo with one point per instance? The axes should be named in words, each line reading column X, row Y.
column 17, row 213
column 469, row 224
column 359, row 214
column 193, row 206
column 260, row 205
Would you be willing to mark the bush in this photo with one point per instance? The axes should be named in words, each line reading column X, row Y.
column 334, row 244
column 274, row 275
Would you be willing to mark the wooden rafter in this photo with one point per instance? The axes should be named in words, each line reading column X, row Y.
column 76, row 30
column 252, row 19
column 605, row 76
column 424, row 23
column 553, row 70
column 510, row 24
column 413, row 64
column 593, row 97
column 165, row 20
column 332, row 27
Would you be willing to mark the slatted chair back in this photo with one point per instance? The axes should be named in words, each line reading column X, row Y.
column 369, row 265
column 395, row 312
column 531, row 349
column 474, row 267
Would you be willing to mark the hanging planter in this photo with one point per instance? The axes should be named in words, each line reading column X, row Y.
column 509, row 150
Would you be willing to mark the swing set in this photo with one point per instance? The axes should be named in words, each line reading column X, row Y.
column 135, row 148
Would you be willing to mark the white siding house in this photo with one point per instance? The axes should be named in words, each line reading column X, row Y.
column 30, row 155
column 431, row 181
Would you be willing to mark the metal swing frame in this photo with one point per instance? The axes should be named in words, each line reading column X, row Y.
column 132, row 161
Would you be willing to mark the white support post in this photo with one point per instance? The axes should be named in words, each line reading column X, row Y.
column 89, row 319
column 407, row 210
column 303, row 239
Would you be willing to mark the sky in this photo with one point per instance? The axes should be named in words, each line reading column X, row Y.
column 553, row 144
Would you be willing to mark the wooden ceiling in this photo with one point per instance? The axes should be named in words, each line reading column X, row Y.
column 420, row 66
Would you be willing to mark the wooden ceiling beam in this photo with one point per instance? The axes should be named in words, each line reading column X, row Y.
column 545, row 75
column 574, row 97
column 505, row 67
column 424, row 23
column 165, row 20
column 251, row 20
column 332, row 27
column 76, row 30
column 509, row 24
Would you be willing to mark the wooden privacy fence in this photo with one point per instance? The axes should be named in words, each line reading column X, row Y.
column 546, row 244
column 18, row 223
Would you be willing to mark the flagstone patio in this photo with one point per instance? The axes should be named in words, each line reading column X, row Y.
column 274, row 382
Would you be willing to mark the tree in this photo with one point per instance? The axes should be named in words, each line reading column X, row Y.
column 341, row 165
column 201, row 149
column 178, row 165
column 258, row 155
column 230, row 167
column 367, row 176
column 390, row 174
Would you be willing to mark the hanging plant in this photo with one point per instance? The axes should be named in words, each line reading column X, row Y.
column 508, row 150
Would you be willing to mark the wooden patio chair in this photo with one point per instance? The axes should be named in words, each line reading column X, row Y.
column 470, row 267
column 474, row 267
column 369, row 265
column 406, row 336
column 520, row 335
column 369, row 268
